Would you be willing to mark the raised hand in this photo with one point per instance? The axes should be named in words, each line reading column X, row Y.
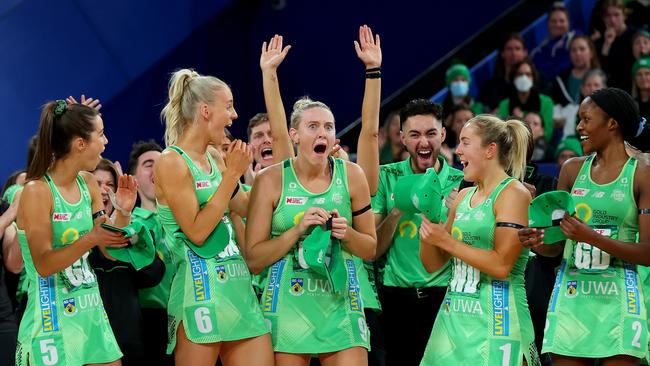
column 238, row 157
column 90, row 102
column 273, row 54
column 127, row 192
column 368, row 47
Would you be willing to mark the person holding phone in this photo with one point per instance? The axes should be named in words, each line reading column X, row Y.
column 59, row 222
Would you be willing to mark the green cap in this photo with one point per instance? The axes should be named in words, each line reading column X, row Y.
column 141, row 251
column 316, row 247
column 216, row 242
column 642, row 63
column 569, row 143
column 10, row 192
column 547, row 210
column 457, row 70
column 420, row 193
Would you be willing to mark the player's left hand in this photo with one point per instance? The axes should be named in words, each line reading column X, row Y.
column 575, row 229
column 431, row 233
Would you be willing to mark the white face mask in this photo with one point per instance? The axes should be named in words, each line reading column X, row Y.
column 523, row 83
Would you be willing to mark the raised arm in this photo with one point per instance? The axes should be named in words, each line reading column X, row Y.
column 261, row 250
column 272, row 56
column 175, row 188
column 369, row 52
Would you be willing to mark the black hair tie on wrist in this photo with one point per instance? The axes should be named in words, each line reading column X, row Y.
column 373, row 75
column 98, row 214
column 374, row 69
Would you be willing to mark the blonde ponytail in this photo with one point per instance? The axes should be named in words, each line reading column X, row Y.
column 186, row 90
column 519, row 136
column 511, row 138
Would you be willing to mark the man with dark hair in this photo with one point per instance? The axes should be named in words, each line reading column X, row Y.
column 410, row 296
column 153, row 300
column 260, row 140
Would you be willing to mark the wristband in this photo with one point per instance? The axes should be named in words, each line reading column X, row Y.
column 374, row 69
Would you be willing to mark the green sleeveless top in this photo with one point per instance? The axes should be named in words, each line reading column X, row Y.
column 212, row 297
column 205, row 185
column 469, row 227
column 594, row 288
column 296, row 199
column 610, row 209
column 482, row 320
column 305, row 312
column 64, row 321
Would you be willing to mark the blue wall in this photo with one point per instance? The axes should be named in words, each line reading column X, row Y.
column 123, row 51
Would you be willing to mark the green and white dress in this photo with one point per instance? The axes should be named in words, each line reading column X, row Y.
column 483, row 320
column 65, row 322
column 598, row 307
column 213, row 298
column 305, row 313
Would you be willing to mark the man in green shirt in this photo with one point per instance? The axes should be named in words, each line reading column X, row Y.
column 153, row 300
column 410, row 296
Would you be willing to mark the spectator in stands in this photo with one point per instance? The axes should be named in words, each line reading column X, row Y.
column 641, row 89
column 525, row 97
column 568, row 115
column 513, row 50
column 459, row 82
column 392, row 150
column 615, row 44
column 456, row 119
column 566, row 89
column 541, row 149
column 641, row 44
column 551, row 57
column 568, row 148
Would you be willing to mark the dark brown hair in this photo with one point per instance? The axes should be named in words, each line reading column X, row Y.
column 56, row 132
column 257, row 120
column 594, row 61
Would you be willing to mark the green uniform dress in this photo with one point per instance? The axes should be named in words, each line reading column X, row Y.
column 213, row 297
column 403, row 266
column 65, row 322
column 598, row 308
column 156, row 297
column 483, row 320
column 305, row 313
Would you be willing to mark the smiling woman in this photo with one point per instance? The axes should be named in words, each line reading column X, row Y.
column 605, row 241
column 56, row 233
